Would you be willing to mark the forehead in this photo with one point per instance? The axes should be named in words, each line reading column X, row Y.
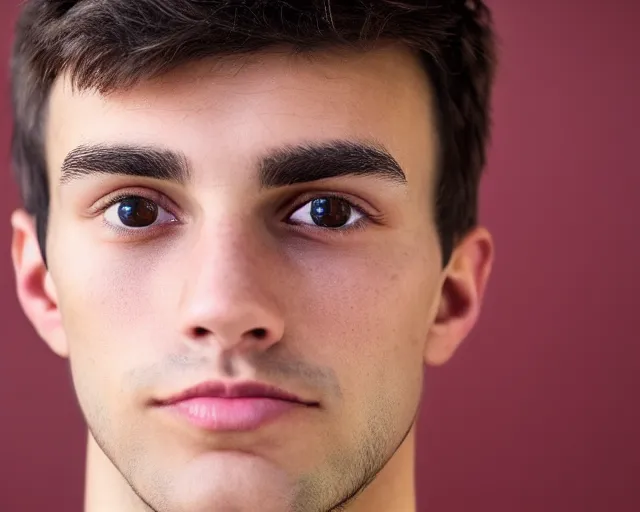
column 223, row 110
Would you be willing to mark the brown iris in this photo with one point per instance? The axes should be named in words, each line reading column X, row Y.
column 330, row 212
column 137, row 212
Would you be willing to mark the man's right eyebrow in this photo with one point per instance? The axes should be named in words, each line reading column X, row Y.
column 125, row 160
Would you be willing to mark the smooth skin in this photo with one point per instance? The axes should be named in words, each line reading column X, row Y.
column 347, row 317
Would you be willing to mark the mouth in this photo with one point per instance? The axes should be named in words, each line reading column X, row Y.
column 242, row 407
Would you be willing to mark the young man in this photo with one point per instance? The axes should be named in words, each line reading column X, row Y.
column 248, row 225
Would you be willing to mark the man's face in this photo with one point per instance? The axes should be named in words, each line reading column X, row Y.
column 248, row 270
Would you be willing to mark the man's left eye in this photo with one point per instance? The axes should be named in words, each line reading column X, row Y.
column 327, row 212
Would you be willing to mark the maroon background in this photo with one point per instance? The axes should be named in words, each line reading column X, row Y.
column 539, row 410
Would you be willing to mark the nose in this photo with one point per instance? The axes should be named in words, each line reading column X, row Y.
column 228, row 298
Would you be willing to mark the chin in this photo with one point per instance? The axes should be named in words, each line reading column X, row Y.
column 231, row 482
column 231, row 500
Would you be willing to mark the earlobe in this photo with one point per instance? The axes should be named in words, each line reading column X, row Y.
column 35, row 288
column 461, row 296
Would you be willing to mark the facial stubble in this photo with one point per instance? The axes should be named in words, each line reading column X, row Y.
column 331, row 489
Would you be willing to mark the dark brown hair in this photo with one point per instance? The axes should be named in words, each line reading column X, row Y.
column 112, row 44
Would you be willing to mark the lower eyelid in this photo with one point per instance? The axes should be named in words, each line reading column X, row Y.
column 121, row 228
column 365, row 218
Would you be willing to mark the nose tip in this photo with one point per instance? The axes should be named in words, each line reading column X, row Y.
column 229, row 295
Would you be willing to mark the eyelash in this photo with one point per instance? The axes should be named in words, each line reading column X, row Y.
column 149, row 195
column 359, row 225
column 159, row 199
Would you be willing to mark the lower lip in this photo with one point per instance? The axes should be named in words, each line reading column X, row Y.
column 233, row 414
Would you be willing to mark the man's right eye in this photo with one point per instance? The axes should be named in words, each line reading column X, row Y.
column 136, row 212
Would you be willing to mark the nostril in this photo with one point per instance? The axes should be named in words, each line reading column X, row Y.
column 200, row 332
column 259, row 333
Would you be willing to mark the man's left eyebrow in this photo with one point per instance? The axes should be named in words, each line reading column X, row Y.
column 314, row 161
column 125, row 160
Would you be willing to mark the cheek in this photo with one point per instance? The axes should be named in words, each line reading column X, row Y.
column 107, row 309
column 368, row 318
column 103, row 298
column 364, row 305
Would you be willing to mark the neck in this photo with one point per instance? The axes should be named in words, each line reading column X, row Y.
column 393, row 489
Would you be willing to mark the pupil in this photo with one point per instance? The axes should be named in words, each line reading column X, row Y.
column 137, row 212
column 330, row 212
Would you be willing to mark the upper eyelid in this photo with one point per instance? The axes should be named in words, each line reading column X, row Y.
column 354, row 206
column 310, row 196
column 365, row 220
column 152, row 195
column 168, row 204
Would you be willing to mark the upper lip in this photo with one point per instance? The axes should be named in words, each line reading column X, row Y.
column 233, row 390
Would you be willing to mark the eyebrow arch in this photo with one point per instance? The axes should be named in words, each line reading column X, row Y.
column 279, row 167
column 310, row 162
column 125, row 160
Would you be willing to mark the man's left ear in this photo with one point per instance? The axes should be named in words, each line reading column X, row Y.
column 461, row 296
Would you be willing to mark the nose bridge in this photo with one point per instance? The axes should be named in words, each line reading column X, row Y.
column 226, row 296
column 225, row 256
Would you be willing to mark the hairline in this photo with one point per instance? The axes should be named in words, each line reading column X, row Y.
column 348, row 50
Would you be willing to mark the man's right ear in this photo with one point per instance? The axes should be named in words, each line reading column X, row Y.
column 36, row 290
